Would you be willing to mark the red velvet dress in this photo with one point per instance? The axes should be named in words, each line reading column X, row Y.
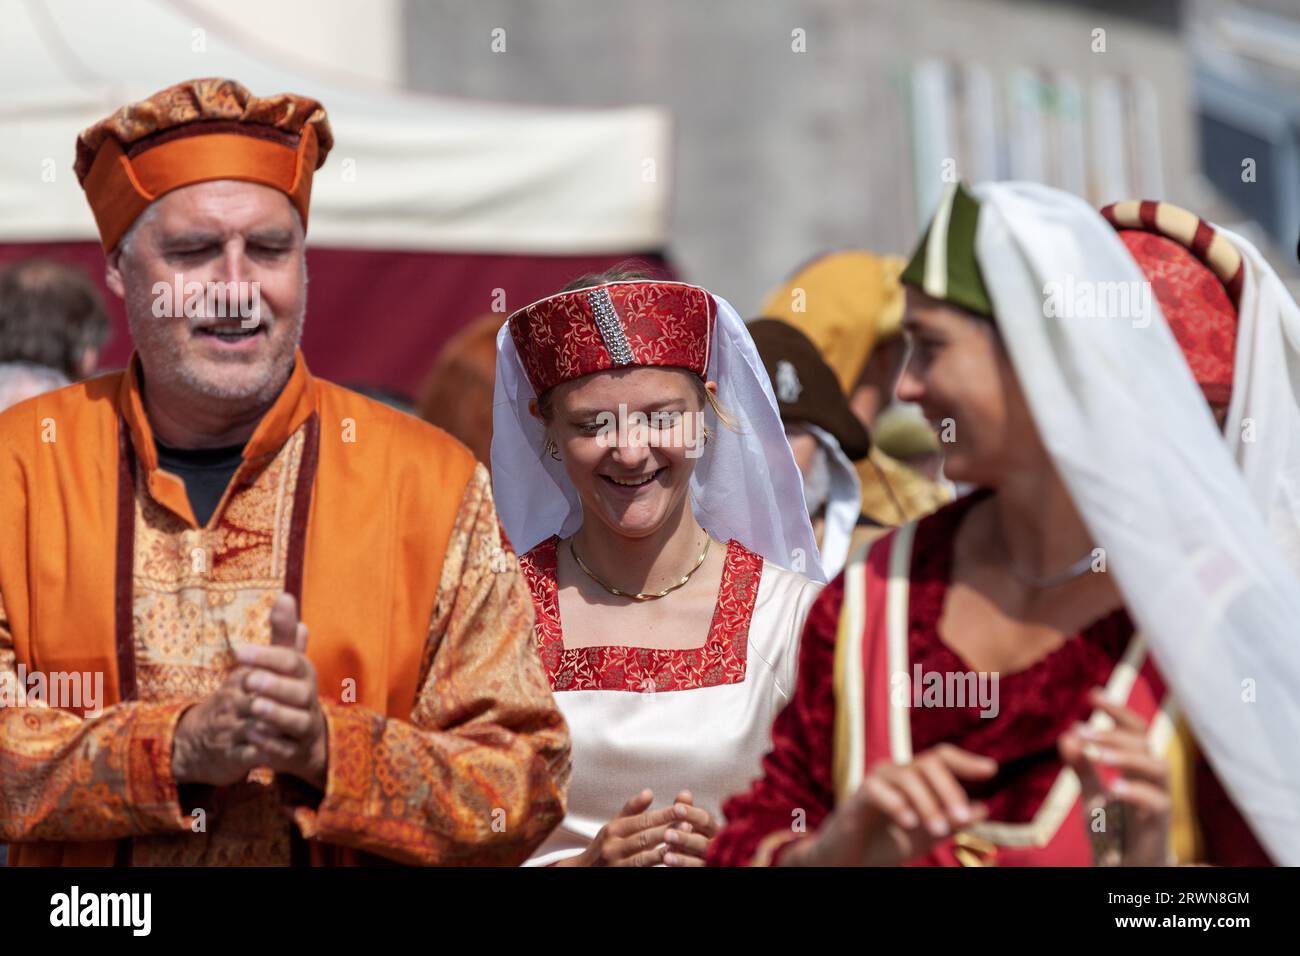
column 836, row 726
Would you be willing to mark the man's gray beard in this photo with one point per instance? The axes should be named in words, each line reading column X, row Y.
column 258, row 393
column 171, row 371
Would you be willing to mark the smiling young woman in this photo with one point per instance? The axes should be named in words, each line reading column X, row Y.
column 1105, row 504
column 663, row 554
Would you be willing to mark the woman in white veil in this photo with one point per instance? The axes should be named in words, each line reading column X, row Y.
column 1113, row 564
column 642, row 471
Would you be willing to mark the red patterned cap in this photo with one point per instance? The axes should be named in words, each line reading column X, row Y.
column 1196, row 275
column 566, row 336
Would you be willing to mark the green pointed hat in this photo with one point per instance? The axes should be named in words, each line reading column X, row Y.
column 943, row 264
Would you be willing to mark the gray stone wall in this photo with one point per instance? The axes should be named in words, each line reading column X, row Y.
column 780, row 154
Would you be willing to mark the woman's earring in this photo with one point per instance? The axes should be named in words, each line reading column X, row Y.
column 551, row 449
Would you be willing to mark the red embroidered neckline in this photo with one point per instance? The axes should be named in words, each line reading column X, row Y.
column 721, row 659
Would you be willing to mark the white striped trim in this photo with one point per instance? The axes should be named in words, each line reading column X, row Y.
column 898, row 590
column 936, row 247
column 849, row 658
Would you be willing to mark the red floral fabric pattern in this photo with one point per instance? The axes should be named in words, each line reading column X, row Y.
column 1196, row 305
column 721, row 660
column 667, row 324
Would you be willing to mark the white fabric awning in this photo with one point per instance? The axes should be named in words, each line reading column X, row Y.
column 406, row 172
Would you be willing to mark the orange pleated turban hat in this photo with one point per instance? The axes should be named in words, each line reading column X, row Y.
column 194, row 132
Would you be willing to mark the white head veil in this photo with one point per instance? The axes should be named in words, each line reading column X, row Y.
column 843, row 502
column 1263, row 426
column 745, row 485
column 1186, row 535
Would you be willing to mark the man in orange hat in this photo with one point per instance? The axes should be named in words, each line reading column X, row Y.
column 247, row 616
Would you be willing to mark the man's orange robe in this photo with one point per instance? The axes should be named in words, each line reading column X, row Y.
column 445, row 745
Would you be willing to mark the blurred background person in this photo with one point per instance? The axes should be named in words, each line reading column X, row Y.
column 457, row 393
column 850, row 306
column 825, row 437
column 389, row 396
column 20, row 381
column 53, row 316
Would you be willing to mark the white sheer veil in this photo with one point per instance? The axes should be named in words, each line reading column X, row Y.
column 1197, row 547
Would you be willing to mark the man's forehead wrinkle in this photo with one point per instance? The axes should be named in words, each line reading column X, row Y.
column 216, row 207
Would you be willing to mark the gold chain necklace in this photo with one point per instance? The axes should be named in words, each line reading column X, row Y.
column 641, row 596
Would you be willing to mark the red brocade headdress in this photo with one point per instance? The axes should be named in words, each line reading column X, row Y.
column 566, row 336
column 1196, row 276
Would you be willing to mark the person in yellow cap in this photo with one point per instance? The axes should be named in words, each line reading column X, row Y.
column 825, row 436
column 248, row 616
column 850, row 305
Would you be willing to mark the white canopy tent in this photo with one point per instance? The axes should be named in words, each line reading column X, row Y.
column 407, row 171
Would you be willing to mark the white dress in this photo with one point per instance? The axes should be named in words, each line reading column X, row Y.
column 697, row 719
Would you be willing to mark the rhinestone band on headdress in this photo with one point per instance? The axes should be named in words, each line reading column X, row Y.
column 611, row 329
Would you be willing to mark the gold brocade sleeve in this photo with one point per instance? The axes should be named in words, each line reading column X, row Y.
column 480, row 773
column 65, row 777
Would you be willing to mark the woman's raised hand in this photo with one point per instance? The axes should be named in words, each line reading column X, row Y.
column 1117, row 767
column 899, row 812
